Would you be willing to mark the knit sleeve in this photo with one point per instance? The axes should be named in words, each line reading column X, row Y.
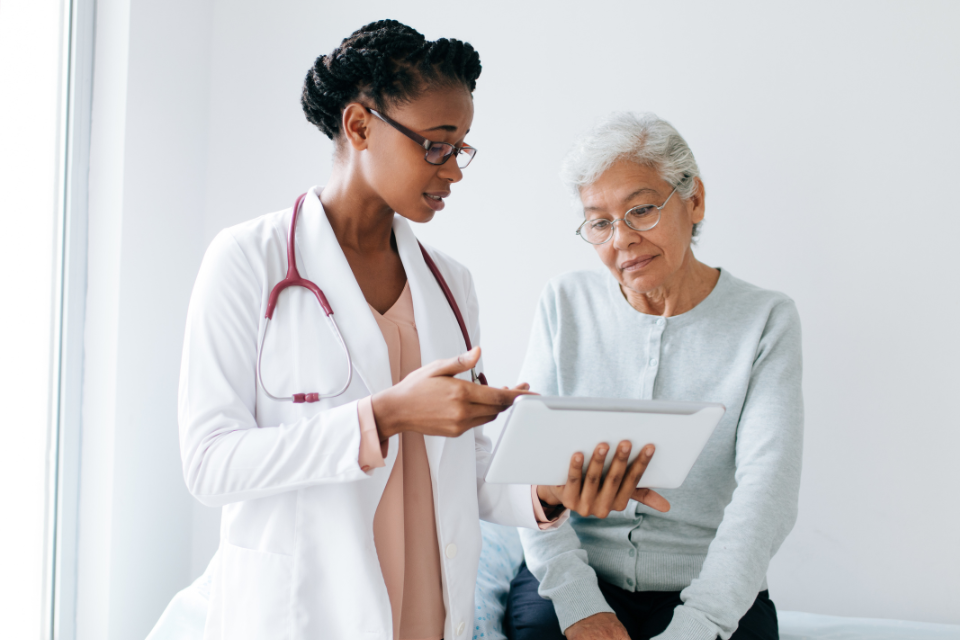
column 555, row 557
column 763, row 508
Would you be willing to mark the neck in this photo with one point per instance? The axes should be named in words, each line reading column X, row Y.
column 682, row 291
column 360, row 218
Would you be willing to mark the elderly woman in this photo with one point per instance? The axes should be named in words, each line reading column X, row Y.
column 656, row 323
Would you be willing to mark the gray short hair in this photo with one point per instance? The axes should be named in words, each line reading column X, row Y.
column 643, row 138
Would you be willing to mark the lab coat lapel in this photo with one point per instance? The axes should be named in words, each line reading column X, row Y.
column 437, row 327
column 322, row 260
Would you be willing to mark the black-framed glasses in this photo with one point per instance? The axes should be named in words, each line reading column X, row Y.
column 435, row 152
column 642, row 217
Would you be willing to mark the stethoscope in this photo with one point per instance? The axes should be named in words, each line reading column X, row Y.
column 294, row 279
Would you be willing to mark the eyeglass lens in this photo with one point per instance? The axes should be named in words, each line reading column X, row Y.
column 439, row 152
column 642, row 218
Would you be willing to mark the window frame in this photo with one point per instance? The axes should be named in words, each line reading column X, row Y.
column 63, row 476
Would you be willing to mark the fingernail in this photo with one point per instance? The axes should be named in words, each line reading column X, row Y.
column 649, row 449
column 624, row 447
column 602, row 451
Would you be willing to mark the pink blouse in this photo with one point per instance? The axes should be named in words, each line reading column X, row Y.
column 404, row 526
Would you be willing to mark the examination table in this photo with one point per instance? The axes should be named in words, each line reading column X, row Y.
column 500, row 560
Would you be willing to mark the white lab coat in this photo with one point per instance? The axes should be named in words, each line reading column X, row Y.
column 297, row 559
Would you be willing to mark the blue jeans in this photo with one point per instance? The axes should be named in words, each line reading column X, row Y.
column 644, row 613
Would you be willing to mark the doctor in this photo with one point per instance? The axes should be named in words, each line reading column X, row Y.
column 350, row 476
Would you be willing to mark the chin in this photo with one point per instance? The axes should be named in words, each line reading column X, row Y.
column 642, row 283
column 418, row 216
column 424, row 216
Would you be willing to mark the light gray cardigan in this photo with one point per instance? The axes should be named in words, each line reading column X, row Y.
column 739, row 347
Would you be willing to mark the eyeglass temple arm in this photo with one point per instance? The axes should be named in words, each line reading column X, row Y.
column 686, row 177
column 660, row 208
column 416, row 137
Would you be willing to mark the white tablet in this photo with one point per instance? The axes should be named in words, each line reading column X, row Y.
column 542, row 432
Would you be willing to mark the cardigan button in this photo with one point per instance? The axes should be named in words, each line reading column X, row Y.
column 460, row 628
column 451, row 551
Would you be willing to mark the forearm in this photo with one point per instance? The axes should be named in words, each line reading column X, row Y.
column 763, row 508
column 558, row 561
column 227, row 462
column 761, row 513
column 373, row 449
column 545, row 509
column 756, row 522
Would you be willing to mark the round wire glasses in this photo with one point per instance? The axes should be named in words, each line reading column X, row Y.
column 642, row 217
column 434, row 152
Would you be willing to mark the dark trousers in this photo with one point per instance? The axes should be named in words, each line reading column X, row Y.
column 644, row 613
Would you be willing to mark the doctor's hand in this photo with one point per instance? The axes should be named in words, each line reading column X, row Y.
column 593, row 495
column 431, row 401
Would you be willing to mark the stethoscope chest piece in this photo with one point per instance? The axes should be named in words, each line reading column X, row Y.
column 294, row 279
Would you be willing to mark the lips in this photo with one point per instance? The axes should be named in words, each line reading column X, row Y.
column 637, row 263
column 434, row 199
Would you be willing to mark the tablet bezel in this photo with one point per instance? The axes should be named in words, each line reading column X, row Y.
column 702, row 427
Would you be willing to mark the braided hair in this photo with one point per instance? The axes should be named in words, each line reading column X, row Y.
column 385, row 62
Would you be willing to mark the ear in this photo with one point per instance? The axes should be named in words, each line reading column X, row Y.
column 354, row 125
column 698, row 202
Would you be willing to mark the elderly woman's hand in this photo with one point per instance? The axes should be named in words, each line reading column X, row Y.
column 599, row 626
column 593, row 495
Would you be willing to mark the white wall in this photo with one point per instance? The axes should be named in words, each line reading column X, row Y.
column 826, row 134
column 145, row 234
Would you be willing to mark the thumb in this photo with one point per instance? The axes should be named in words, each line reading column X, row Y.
column 652, row 499
column 453, row 366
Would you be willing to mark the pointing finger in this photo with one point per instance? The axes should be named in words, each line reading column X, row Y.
column 453, row 366
column 479, row 394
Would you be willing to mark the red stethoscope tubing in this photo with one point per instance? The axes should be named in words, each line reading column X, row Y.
column 294, row 279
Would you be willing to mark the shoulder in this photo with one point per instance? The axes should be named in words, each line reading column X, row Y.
column 252, row 235
column 750, row 299
column 238, row 255
column 585, row 279
column 250, row 242
column 585, row 285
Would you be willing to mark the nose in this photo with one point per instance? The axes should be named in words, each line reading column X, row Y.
column 624, row 236
column 450, row 170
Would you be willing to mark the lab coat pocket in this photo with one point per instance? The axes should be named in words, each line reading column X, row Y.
column 258, row 587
